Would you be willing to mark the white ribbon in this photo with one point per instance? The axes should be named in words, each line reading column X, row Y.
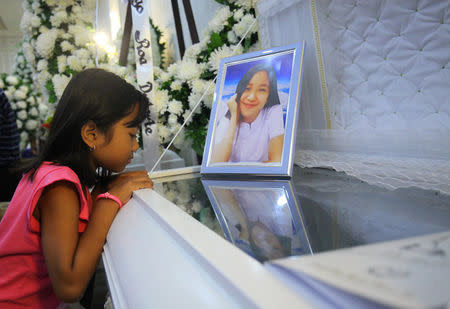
column 144, row 74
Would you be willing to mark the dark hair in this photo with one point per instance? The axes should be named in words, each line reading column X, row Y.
column 91, row 95
column 273, row 98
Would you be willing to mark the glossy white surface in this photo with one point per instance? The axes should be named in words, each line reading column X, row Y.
column 158, row 256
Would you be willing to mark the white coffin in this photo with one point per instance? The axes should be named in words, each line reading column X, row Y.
column 157, row 256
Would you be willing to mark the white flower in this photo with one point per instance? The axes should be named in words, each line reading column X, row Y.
column 75, row 63
column 172, row 70
column 42, row 65
column 20, row 95
column 164, row 76
column 19, row 124
column 199, row 85
column 23, row 135
column 189, row 69
column 65, row 36
column 62, row 61
column 33, row 112
column 35, row 21
column 218, row 21
column 43, row 109
column 31, row 100
column 36, row 6
column 43, row 29
column 197, row 206
column 81, row 34
column 173, row 119
column 42, row 78
column 31, row 124
column 60, row 82
column 12, row 80
column 244, row 24
column 22, row 115
column 157, row 71
column 207, row 101
column 174, row 128
column 160, row 100
column 219, row 54
column 45, row 43
column 176, row 85
column 21, row 104
column 28, row 52
column 24, row 89
column 246, row 4
column 8, row 94
column 232, row 37
column 170, row 195
column 186, row 115
column 175, row 107
column 238, row 14
column 194, row 98
column 163, row 132
column 192, row 51
column 66, row 46
column 51, row 2
column 58, row 18
column 25, row 22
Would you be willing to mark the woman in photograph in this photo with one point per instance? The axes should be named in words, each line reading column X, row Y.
column 252, row 130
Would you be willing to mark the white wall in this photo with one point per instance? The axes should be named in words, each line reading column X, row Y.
column 11, row 14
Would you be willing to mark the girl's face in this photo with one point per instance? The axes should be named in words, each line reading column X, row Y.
column 254, row 97
column 116, row 153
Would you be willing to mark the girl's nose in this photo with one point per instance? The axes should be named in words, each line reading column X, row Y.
column 135, row 145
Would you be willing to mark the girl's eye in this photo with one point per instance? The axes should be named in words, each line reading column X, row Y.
column 262, row 89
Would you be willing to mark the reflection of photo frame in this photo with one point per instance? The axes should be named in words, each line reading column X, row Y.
column 262, row 218
column 254, row 115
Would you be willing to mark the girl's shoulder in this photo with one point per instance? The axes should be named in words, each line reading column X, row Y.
column 273, row 111
column 51, row 172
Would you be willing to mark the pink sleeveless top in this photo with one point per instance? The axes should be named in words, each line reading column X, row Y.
column 24, row 279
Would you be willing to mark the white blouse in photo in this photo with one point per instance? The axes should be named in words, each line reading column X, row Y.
column 251, row 140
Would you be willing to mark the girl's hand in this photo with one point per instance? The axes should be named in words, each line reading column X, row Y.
column 124, row 184
column 233, row 107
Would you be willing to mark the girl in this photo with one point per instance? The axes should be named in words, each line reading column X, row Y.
column 252, row 130
column 53, row 232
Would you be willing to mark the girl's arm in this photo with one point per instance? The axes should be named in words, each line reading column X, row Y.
column 222, row 150
column 275, row 149
column 71, row 257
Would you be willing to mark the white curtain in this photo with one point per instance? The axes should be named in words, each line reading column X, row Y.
column 376, row 86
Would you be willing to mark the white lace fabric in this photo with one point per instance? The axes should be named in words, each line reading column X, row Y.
column 385, row 171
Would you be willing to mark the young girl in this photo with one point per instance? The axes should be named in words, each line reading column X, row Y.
column 252, row 130
column 53, row 232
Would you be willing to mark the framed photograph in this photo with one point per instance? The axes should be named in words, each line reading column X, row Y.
column 254, row 115
column 262, row 218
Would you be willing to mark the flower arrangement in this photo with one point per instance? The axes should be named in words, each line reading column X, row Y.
column 59, row 42
column 188, row 81
column 26, row 104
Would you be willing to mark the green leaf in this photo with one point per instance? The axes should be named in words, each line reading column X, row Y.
column 215, row 41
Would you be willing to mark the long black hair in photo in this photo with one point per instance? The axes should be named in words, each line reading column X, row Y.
column 273, row 98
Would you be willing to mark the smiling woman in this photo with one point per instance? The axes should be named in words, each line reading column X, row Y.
column 252, row 130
